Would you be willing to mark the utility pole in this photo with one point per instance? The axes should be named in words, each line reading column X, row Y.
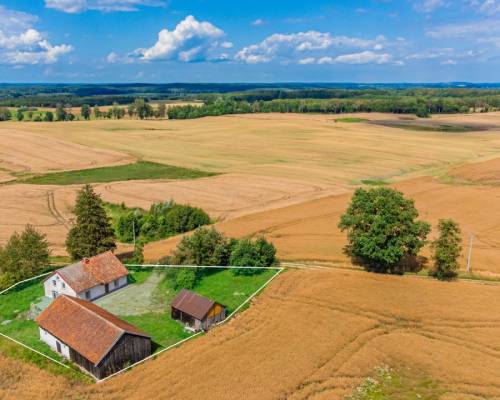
column 469, row 256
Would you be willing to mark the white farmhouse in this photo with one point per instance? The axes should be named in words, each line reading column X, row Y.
column 88, row 279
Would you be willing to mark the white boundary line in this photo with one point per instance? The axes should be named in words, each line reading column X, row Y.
column 279, row 269
column 26, row 280
column 36, row 351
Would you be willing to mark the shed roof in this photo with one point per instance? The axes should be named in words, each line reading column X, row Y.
column 192, row 303
column 98, row 270
column 86, row 328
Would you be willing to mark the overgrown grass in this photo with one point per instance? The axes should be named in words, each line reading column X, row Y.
column 400, row 384
column 137, row 171
column 351, row 120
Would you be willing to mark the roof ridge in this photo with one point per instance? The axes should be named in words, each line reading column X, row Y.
column 71, row 298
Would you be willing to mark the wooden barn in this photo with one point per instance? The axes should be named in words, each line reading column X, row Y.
column 197, row 312
column 91, row 337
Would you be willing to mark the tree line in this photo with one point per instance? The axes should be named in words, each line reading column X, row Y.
column 421, row 106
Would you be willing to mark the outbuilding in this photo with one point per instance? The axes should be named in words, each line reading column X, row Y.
column 196, row 311
column 91, row 337
column 89, row 278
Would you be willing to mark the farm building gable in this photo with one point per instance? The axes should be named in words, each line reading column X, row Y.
column 85, row 327
column 90, row 272
column 192, row 303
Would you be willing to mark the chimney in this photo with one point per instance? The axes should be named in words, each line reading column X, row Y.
column 86, row 260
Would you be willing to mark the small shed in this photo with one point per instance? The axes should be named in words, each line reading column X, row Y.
column 196, row 311
column 91, row 337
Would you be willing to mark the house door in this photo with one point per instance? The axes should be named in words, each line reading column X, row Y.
column 58, row 346
column 106, row 287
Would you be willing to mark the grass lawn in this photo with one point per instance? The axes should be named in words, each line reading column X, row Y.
column 351, row 120
column 13, row 306
column 221, row 286
column 129, row 172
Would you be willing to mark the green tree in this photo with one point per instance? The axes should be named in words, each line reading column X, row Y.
column 92, row 233
column 49, row 116
column 85, row 111
column 245, row 253
column 4, row 114
column 203, row 247
column 162, row 110
column 446, row 250
column 382, row 229
column 24, row 256
column 183, row 218
column 20, row 115
column 97, row 112
column 61, row 113
column 142, row 109
column 186, row 278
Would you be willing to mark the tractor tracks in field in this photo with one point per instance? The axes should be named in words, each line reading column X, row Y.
column 51, row 205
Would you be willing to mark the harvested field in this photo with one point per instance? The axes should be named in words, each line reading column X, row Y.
column 296, row 146
column 345, row 323
column 308, row 231
column 483, row 173
column 49, row 207
column 25, row 152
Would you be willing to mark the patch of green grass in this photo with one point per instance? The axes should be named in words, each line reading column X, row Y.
column 400, row 384
column 164, row 330
column 351, row 120
column 137, row 171
column 139, row 276
column 374, row 182
column 229, row 289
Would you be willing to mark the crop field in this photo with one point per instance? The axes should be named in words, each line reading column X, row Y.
column 314, row 148
column 315, row 334
column 308, row 231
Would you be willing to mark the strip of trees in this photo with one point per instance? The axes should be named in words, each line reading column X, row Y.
column 209, row 247
column 385, row 235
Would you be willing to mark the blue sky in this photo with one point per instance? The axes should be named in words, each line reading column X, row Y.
column 249, row 41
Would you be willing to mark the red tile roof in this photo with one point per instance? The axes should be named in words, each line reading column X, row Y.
column 98, row 270
column 192, row 303
column 88, row 329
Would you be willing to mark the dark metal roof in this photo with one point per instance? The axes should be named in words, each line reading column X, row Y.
column 192, row 304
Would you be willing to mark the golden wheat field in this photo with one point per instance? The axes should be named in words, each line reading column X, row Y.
column 314, row 148
column 315, row 334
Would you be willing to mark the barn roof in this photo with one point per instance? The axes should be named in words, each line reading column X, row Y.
column 85, row 327
column 192, row 303
column 98, row 270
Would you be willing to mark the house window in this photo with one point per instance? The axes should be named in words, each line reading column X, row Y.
column 54, row 282
column 87, row 294
column 63, row 285
column 116, row 283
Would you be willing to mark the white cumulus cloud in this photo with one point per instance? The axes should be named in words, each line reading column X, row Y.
column 78, row 6
column 20, row 43
column 304, row 47
column 191, row 40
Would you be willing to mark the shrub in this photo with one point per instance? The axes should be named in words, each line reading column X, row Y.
column 245, row 253
column 185, row 278
column 183, row 218
column 382, row 229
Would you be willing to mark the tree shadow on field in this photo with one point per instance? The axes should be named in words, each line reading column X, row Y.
column 409, row 263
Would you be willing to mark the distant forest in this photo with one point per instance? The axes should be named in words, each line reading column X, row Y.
column 220, row 99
